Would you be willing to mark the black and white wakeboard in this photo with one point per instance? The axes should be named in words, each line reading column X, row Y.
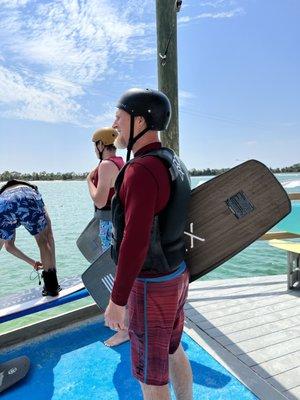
column 99, row 279
column 12, row 371
column 89, row 242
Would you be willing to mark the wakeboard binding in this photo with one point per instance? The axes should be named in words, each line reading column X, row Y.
column 51, row 286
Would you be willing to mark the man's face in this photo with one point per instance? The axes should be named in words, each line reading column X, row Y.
column 122, row 125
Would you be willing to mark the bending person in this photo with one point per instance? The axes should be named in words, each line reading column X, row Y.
column 22, row 204
column 101, row 187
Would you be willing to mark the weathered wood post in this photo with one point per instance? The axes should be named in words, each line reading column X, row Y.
column 166, row 21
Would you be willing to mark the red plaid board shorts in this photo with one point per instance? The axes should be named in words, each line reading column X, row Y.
column 156, row 319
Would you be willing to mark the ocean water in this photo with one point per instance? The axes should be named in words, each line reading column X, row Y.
column 70, row 209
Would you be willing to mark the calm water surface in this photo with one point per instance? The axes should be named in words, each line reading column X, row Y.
column 70, row 209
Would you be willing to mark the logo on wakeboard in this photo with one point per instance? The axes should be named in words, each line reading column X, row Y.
column 12, row 371
column 108, row 282
column 192, row 236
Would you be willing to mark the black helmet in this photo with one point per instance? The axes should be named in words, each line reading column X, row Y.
column 153, row 105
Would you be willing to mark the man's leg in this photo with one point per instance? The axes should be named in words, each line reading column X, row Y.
column 105, row 229
column 151, row 392
column 181, row 374
column 46, row 250
column 45, row 243
column 50, row 240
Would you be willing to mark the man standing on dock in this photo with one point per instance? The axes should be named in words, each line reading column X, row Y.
column 149, row 217
column 22, row 204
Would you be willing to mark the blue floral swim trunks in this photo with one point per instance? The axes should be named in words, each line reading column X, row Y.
column 105, row 231
column 21, row 206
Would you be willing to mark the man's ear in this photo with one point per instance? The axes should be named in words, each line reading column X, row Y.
column 141, row 120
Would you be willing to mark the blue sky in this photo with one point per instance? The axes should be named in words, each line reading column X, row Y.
column 64, row 64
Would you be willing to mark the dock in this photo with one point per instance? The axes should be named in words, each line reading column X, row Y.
column 249, row 325
column 252, row 327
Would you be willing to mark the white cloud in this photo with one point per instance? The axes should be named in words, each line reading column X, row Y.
column 218, row 3
column 251, row 143
column 23, row 100
column 13, row 3
column 212, row 15
column 185, row 94
column 57, row 50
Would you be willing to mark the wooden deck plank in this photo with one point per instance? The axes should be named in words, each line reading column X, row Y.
column 287, row 380
column 293, row 394
column 270, row 353
column 225, row 291
column 242, row 314
column 262, row 342
column 257, row 288
column 258, row 321
column 237, row 281
column 252, row 322
column 218, row 302
column 278, row 365
column 260, row 331
column 253, row 305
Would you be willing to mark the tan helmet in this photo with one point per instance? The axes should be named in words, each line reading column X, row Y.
column 106, row 135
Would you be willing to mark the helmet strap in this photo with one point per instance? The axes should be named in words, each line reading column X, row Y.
column 133, row 140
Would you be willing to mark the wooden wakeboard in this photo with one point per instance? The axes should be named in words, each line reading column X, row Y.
column 230, row 212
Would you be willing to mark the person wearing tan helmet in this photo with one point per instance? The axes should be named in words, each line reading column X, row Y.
column 101, row 182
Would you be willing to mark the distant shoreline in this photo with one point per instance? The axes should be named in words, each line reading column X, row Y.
column 72, row 176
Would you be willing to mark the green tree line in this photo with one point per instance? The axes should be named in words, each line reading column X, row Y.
column 72, row 176
column 209, row 171
column 43, row 176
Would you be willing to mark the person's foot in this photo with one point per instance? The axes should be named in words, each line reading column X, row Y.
column 118, row 338
column 52, row 293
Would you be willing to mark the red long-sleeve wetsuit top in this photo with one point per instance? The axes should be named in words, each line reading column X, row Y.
column 144, row 192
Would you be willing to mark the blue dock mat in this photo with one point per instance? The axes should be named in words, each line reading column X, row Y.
column 74, row 364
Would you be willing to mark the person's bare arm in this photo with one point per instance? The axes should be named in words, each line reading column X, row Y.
column 107, row 172
column 12, row 249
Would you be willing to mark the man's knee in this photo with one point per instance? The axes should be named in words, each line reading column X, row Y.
column 8, row 245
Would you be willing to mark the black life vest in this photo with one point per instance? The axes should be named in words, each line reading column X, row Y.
column 13, row 182
column 167, row 246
